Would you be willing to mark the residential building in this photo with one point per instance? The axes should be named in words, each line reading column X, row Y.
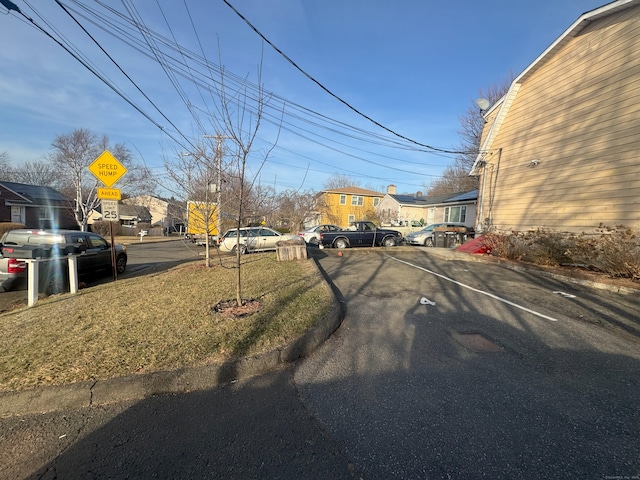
column 341, row 206
column 560, row 150
column 396, row 209
column 163, row 213
column 35, row 206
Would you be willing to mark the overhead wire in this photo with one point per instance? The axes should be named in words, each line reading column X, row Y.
column 344, row 102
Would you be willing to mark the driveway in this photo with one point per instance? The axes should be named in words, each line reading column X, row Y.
column 447, row 369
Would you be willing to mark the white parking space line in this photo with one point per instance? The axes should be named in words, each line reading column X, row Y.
column 500, row 299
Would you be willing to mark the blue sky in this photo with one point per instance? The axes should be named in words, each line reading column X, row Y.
column 413, row 66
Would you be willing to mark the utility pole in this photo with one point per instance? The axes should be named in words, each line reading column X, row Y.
column 219, row 138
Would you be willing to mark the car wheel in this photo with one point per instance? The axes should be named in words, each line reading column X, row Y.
column 56, row 283
column 428, row 242
column 389, row 242
column 243, row 249
column 341, row 243
column 121, row 264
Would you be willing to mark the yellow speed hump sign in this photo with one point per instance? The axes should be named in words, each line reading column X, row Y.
column 107, row 168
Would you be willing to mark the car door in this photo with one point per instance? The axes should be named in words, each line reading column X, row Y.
column 366, row 235
column 268, row 239
column 100, row 250
column 86, row 262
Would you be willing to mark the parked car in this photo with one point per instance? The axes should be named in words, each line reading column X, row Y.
column 312, row 235
column 20, row 244
column 426, row 236
column 361, row 234
column 252, row 239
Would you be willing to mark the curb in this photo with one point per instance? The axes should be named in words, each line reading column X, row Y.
column 138, row 387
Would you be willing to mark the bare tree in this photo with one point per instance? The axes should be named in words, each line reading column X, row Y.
column 295, row 207
column 241, row 114
column 340, row 181
column 38, row 172
column 73, row 153
column 455, row 178
column 6, row 172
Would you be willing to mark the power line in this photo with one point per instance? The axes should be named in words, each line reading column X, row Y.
column 344, row 102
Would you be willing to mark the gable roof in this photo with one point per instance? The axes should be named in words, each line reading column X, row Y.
column 354, row 191
column 33, row 194
column 574, row 30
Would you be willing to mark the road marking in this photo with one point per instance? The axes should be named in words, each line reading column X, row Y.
column 538, row 314
column 566, row 295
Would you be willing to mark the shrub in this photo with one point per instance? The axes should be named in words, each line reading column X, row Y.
column 614, row 251
column 102, row 227
column 6, row 226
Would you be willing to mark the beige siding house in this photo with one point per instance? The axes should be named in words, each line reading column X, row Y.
column 561, row 150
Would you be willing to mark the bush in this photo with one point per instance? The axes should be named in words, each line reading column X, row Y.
column 6, row 226
column 615, row 252
column 102, row 227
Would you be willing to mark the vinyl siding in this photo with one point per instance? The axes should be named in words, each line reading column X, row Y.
column 579, row 116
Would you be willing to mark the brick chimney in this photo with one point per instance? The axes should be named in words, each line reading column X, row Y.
column 391, row 189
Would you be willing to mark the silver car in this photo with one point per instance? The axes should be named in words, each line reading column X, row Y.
column 252, row 239
column 426, row 236
column 312, row 235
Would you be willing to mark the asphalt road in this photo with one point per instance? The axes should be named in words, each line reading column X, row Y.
column 441, row 369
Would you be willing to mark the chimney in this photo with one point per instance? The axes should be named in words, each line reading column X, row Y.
column 391, row 189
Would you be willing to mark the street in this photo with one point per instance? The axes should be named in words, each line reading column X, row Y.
column 441, row 369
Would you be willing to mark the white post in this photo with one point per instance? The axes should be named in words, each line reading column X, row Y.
column 73, row 273
column 32, row 280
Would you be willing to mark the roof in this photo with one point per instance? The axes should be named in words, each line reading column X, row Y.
column 435, row 199
column 34, row 194
column 578, row 26
column 354, row 191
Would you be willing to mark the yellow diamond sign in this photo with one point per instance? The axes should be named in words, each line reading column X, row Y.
column 107, row 168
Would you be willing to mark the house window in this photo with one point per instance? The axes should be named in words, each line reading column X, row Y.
column 455, row 214
column 343, row 199
column 376, row 201
column 44, row 213
column 351, row 219
column 357, row 200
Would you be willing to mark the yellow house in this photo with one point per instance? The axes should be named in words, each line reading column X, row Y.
column 560, row 150
column 341, row 206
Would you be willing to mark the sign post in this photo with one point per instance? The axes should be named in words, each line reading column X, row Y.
column 109, row 170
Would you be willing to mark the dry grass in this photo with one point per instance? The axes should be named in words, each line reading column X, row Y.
column 158, row 322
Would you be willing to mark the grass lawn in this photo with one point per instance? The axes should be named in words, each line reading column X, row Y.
column 159, row 322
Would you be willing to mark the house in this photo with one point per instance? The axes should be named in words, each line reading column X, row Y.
column 561, row 149
column 459, row 207
column 163, row 213
column 341, row 206
column 130, row 215
column 35, row 206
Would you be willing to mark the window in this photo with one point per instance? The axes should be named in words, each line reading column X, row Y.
column 343, row 199
column 44, row 213
column 357, row 200
column 352, row 218
column 455, row 214
column 376, row 201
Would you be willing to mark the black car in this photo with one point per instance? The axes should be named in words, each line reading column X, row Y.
column 94, row 257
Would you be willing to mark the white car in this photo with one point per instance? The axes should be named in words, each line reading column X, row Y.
column 252, row 239
column 312, row 235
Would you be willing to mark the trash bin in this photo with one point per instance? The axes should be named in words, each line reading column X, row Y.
column 440, row 238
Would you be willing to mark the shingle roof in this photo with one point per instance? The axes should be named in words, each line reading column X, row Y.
column 35, row 193
column 355, row 191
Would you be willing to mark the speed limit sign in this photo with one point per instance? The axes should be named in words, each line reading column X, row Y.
column 110, row 211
